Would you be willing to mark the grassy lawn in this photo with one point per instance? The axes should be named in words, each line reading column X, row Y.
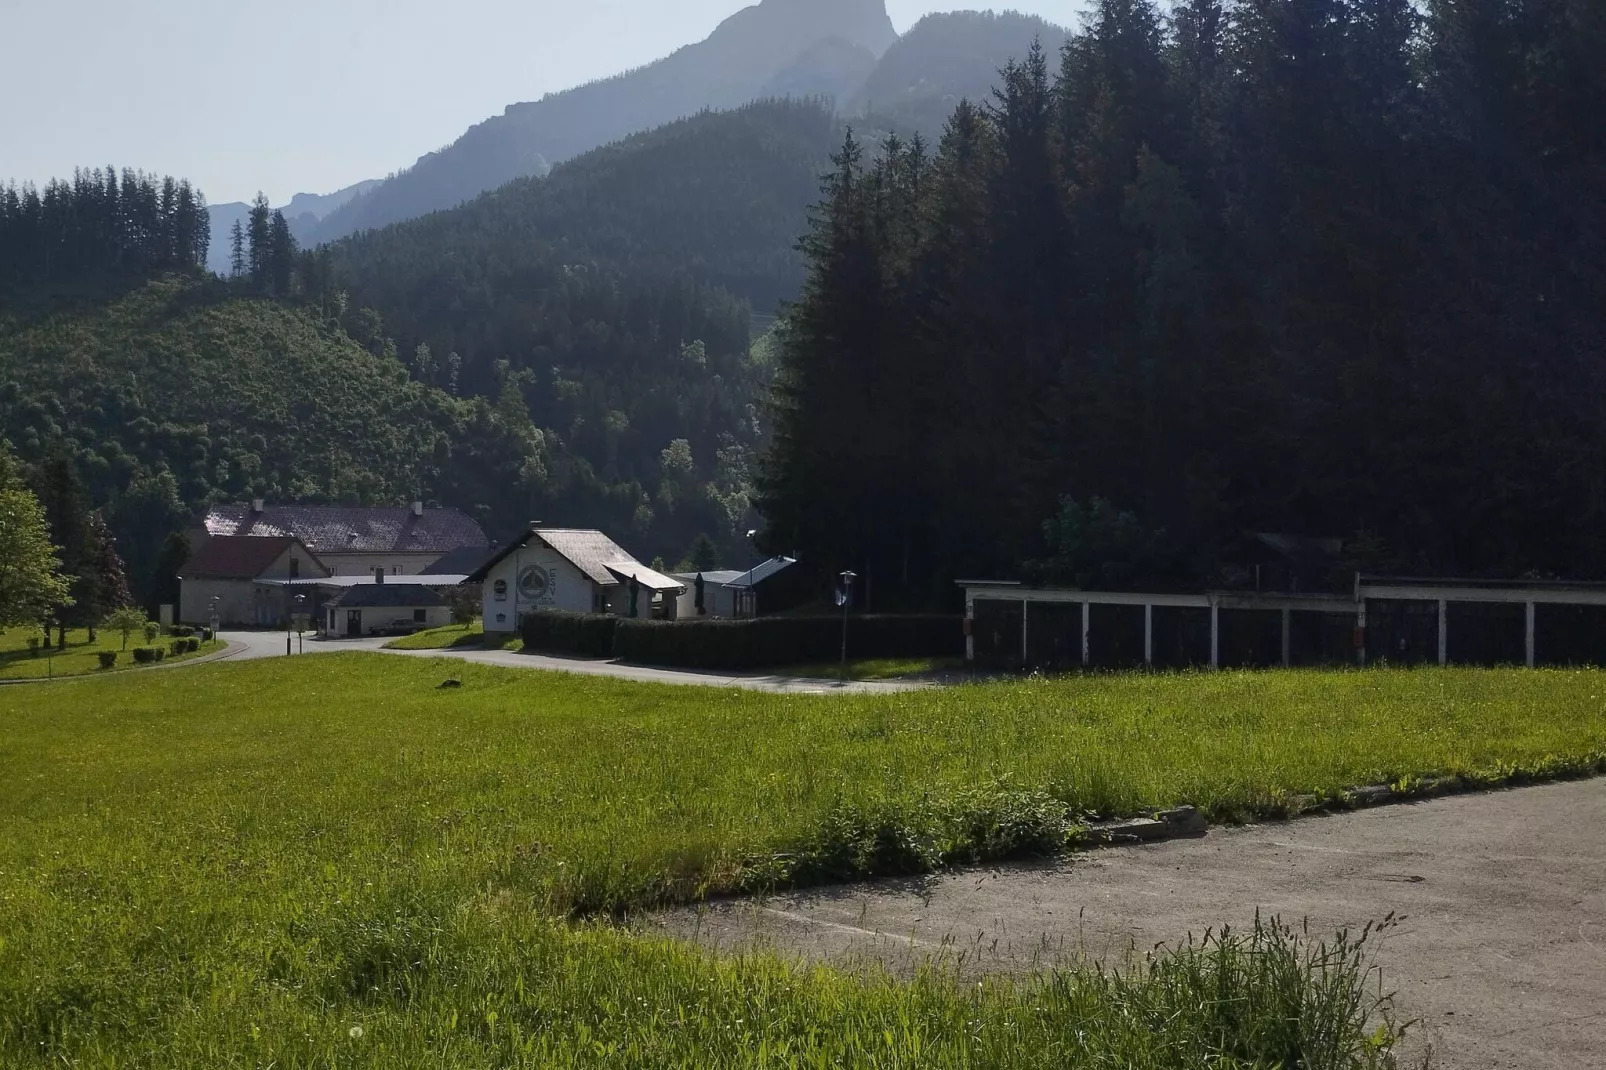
column 450, row 637
column 242, row 865
column 81, row 656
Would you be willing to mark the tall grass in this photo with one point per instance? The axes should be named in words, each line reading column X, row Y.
column 234, row 865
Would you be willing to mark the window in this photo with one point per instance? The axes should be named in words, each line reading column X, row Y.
column 295, row 569
column 420, row 616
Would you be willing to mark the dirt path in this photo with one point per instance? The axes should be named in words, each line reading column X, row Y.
column 1501, row 951
column 250, row 646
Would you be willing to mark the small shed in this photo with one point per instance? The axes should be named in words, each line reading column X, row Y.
column 775, row 586
column 719, row 600
column 386, row 609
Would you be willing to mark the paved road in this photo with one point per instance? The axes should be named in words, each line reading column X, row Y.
column 249, row 646
column 1501, row 953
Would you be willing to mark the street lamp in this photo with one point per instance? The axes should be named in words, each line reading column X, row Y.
column 213, row 616
column 290, row 621
column 845, row 597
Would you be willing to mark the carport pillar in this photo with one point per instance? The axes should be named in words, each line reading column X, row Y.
column 1087, row 624
column 1444, row 633
column 1215, row 636
column 1025, row 651
column 1148, row 636
column 1532, row 660
column 1288, row 637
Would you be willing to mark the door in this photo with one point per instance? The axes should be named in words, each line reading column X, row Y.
column 354, row 623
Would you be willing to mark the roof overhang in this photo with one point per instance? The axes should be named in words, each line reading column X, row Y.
column 653, row 581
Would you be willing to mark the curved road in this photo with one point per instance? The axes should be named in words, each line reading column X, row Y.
column 250, row 646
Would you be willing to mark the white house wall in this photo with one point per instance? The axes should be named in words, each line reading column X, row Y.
column 365, row 564
column 566, row 587
column 242, row 602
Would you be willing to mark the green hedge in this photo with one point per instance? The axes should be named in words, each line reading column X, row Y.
column 587, row 635
column 770, row 642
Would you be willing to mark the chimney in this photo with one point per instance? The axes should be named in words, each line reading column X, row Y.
column 257, row 506
column 418, row 509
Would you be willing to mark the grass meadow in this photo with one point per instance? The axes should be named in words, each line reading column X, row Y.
column 335, row 862
column 450, row 637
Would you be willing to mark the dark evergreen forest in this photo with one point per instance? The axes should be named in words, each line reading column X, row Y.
column 99, row 228
column 1332, row 268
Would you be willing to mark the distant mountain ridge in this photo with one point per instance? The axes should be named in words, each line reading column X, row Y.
column 732, row 67
column 304, row 212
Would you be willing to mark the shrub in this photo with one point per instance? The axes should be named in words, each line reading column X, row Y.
column 108, row 658
column 152, row 630
column 125, row 622
column 176, row 647
column 555, row 632
column 144, row 655
column 772, row 641
column 159, row 652
column 181, row 631
column 206, row 635
column 191, row 645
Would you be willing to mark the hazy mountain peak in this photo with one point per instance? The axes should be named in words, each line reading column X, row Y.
column 735, row 64
column 861, row 22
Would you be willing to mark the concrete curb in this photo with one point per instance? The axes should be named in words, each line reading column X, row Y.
column 1186, row 822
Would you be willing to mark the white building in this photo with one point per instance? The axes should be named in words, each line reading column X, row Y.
column 243, row 581
column 580, row 571
column 351, row 540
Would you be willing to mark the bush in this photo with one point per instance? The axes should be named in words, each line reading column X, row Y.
column 152, row 630
column 108, row 658
column 206, row 635
column 159, row 652
column 191, row 645
column 555, row 632
column 181, row 631
column 144, row 655
column 773, row 641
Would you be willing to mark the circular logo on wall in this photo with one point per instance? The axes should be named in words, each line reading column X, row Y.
column 535, row 584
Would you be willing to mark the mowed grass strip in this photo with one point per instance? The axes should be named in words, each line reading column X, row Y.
column 224, row 865
column 81, row 657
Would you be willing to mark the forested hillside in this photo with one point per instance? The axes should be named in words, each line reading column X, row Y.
column 1328, row 269
column 617, row 294
column 735, row 65
column 182, row 393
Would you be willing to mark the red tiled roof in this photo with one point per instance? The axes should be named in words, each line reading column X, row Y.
column 230, row 557
column 338, row 529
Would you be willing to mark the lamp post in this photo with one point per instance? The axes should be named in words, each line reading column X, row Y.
column 845, row 596
column 212, row 615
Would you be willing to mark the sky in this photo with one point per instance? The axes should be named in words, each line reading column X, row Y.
column 313, row 95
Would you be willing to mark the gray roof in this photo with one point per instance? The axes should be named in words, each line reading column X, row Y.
column 349, row 529
column 763, row 572
column 460, row 562
column 626, row 571
column 711, row 579
column 390, row 596
column 586, row 549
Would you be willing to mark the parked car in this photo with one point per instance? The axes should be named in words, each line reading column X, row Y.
column 401, row 626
